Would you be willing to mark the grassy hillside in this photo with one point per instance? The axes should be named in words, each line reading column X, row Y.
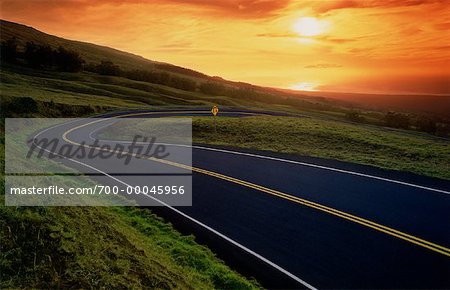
column 104, row 247
column 132, row 81
column 223, row 92
column 369, row 145
column 114, row 92
column 94, row 89
column 101, row 247
column 347, row 142
column 90, row 52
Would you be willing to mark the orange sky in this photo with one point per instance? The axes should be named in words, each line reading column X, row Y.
column 393, row 46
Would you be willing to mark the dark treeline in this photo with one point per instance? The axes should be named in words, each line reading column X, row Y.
column 181, row 70
column 211, row 88
column 8, row 50
column 397, row 120
column 162, row 78
column 242, row 92
column 355, row 116
column 26, row 106
column 41, row 56
column 433, row 125
column 157, row 77
column 429, row 124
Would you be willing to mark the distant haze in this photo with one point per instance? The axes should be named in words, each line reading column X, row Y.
column 431, row 104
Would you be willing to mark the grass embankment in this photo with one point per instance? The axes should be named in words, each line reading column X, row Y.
column 329, row 139
column 91, row 89
column 102, row 247
column 369, row 145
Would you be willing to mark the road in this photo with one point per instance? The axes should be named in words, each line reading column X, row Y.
column 304, row 222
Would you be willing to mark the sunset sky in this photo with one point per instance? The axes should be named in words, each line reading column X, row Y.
column 376, row 46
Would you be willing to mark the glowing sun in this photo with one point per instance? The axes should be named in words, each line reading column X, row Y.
column 310, row 87
column 310, row 26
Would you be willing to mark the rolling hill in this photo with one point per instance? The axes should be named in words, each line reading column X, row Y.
column 122, row 90
column 119, row 91
column 88, row 51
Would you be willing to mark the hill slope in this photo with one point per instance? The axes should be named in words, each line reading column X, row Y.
column 162, row 84
column 93, row 53
column 88, row 51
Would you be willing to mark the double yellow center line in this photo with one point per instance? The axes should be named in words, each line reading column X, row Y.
column 364, row 222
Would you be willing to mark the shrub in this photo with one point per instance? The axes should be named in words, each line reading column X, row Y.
column 67, row 60
column 397, row 120
column 354, row 116
column 19, row 105
column 426, row 124
column 107, row 67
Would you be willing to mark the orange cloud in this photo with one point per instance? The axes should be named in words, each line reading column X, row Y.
column 323, row 65
column 230, row 8
column 375, row 45
column 327, row 6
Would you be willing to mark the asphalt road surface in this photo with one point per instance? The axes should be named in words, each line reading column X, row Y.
column 302, row 222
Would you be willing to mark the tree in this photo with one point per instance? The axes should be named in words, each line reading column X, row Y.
column 39, row 56
column 354, row 116
column 426, row 124
column 396, row 120
column 8, row 50
column 31, row 54
column 107, row 67
column 67, row 60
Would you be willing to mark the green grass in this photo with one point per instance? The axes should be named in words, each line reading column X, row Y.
column 104, row 247
column 92, row 89
column 369, row 145
column 101, row 247
column 82, row 88
column 330, row 139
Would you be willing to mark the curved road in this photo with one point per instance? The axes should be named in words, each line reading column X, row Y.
column 303, row 222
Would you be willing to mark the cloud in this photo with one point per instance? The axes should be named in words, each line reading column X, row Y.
column 239, row 8
column 339, row 40
column 288, row 35
column 442, row 26
column 323, row 65
column 410, row 31
column 327, row 6
column 323, row 38
column 228, row 8
column 253, row 40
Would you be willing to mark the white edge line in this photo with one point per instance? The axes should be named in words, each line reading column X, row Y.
column 267, row 261
column 323, row 167
column 287, row 161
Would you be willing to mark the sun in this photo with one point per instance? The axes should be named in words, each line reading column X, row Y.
column 305, row 86
column 310, row 26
